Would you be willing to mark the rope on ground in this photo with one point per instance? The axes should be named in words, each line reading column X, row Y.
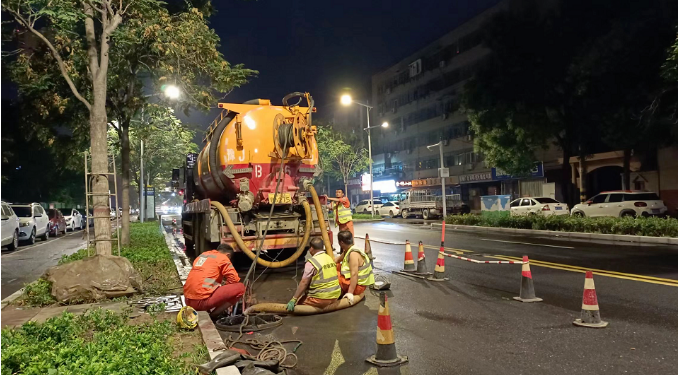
column 269, row 350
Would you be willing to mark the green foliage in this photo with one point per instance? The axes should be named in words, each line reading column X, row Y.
column 338, row 158
column 641, row 226
column 358, row 217
column 98, row 342
column 38, row 293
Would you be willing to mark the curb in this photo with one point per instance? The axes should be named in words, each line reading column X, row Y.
column 367, row 220
column 9, row 299
column 625, row 238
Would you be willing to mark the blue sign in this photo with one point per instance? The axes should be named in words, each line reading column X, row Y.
column 537, row 171
column 495, row 202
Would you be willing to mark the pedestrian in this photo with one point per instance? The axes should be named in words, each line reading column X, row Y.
column 342, row 212
column 354, row 267
column 319, row 282
column 213, row 285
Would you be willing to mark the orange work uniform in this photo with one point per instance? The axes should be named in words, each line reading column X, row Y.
column 204, row 290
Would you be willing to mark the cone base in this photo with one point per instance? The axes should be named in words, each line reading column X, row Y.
column 408, row 270
column 528, row 299
column 601, row 324
column 407, row 273
column 399, row 360
column 433, row 278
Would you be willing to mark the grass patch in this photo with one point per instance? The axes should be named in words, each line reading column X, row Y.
column 148, row 254
column 641, row 226
column 102, row 342
column 358, row 217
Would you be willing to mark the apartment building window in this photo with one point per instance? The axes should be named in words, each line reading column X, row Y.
column 427, row 164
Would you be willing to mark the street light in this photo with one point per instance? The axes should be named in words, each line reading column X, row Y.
column 172, row 92
column 347, row 100
column 442, row 173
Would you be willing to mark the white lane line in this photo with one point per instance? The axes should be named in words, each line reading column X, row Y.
column 40, row 244
column 527, row 243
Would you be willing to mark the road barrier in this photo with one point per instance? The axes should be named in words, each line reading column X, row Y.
column 483, row 261
column 387, row 355
column 590, row 312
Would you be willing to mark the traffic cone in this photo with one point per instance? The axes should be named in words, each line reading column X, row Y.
column 439, row 271
column 387, row 355
column 409, row 261
column 526, row 285
column 590, row 314
column 368, row 247
column 421, row 260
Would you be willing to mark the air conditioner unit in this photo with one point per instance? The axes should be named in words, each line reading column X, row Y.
column 441, row 63
column 444, row 116
column 446, row 142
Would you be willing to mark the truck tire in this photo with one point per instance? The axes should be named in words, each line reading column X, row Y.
column 425, row 214
column 404, row 214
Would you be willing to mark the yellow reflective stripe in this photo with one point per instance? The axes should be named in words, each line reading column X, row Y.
column 325, row 283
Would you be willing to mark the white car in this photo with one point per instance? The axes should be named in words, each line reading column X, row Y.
column 33, row 222
column 392, row 209
column 544, row 206
column 10, row 227
column 365, row 207
column 621, row 203
column 73, row 218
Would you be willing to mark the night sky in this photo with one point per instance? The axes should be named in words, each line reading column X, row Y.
column 324, row 47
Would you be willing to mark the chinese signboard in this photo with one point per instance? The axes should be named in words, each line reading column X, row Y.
column 537, row 171
column 475, row 177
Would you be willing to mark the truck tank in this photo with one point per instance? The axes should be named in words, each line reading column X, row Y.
column 254, row 152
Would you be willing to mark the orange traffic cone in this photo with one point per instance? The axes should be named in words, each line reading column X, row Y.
column 368, row 247
column 526, row 285
column 409, row 261
column 421, row 260
column 590, row 313
column 386, row 351
column 439, row 271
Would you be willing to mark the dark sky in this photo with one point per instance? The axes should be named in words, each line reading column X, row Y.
column 325, row 46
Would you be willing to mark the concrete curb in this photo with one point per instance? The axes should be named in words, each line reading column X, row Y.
column 578, row 235
column 367, row 220
column 9, row 299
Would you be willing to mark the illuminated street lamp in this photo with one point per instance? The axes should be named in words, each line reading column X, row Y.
column 172, row 92
column 347, row 100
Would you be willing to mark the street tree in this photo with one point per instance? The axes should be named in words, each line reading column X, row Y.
column 338, row 158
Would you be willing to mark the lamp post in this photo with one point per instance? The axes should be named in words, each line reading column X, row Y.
column 443, row 173
column 347, row 100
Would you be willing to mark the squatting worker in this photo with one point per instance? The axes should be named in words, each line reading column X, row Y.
column 354, row 266
column 213, row 285
column 342, row 211
column 319, row 281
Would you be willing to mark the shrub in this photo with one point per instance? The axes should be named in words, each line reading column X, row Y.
column 38, row 293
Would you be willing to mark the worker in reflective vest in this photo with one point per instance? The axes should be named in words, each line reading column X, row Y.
column 342, row 211
column 320, row 280
column 354, row 266
column 213, row 284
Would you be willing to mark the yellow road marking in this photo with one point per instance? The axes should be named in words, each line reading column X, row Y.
column 618, row 275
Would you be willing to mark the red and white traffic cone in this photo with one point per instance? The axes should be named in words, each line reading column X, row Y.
column 386, row 350
column 439, row 270
column 590, row 313
column 409, row 260
column 421, row 261
column 368, row 247
column 526, row 284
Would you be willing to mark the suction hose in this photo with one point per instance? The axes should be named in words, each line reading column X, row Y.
column 252, row 255
column 280, row 308
column 321, row 221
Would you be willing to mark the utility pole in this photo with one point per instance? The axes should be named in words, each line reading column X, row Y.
column 442, row 172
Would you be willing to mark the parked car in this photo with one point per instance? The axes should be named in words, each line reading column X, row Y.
column 10, row 227
column 365, row 206
column 392, row 209
column 33, row 222
column 538, row 206
column 73, row 218
column 621, row 203
column 57, row 222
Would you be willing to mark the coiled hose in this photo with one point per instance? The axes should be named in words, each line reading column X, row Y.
column 321, row 220
column 281, row 308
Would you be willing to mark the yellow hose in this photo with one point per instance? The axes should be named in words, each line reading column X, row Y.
column 321, row 221
column 281, row 308
column 252, row 255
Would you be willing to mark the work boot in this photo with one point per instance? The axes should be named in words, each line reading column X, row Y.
column 226, row 358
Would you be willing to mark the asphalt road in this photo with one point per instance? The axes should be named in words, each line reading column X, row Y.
column 27, row 263
column 471, row 324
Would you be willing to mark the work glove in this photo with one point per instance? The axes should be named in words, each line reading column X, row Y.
column 290, row 304
column 349, row 297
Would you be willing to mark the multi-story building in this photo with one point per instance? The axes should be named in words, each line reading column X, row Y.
column 420, row 98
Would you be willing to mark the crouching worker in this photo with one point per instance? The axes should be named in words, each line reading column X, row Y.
column 319, row 282
column 355, row 268
column 213, row 285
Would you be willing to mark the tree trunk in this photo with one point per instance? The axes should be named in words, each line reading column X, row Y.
column 125, row 163
column 627, row 169
column 98, row 133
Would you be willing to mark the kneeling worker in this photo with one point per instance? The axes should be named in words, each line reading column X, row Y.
column 213, row 284
column 355, row 268
column 319, row 280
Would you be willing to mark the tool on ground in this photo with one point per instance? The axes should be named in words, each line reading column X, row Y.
column 387, row 355
column 381, row 282
column 172, row 303
column 526, row 284
column 421, row 261
column 590, row 313
column 409, row 260
column 187, row 318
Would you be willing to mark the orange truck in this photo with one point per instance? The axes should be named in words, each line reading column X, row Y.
column 251, row 185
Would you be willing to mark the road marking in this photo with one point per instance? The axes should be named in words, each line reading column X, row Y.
column 457, row 251
column 40, row 244
column 618, row 275
column 528, row 243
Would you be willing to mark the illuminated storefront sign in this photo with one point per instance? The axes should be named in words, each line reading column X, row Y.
column 384, row 186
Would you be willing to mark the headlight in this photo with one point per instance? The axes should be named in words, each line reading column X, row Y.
column 24, row 224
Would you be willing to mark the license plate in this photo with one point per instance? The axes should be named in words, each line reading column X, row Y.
column 655, row 210
column 281, row 198
column 558, row 208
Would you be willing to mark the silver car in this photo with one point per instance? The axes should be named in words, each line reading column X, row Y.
column 10, row 227
column 33, row 222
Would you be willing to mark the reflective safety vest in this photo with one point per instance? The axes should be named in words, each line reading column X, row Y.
column 365, row 275
column 343, row 213
column 210, row 270
column 325, row 282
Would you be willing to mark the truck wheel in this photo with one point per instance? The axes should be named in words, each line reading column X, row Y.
column 404, row 214
column 425, row 214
